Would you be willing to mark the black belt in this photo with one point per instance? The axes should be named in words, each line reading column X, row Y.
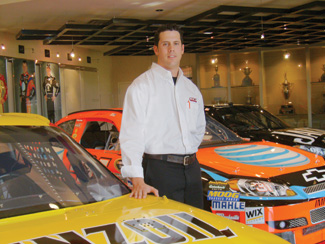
column 173, row 158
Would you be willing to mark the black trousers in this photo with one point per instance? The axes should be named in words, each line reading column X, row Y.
column 175, row 181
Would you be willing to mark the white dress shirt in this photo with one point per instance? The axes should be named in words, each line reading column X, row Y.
column 160, row 117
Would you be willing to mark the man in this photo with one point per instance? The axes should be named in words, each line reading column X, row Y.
column 163, row 124
column 51, row 91
column 27, row 89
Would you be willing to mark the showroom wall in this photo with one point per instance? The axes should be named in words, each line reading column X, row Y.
column 89, row 85
column 126, row 68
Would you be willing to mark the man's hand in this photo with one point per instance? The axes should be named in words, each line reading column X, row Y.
column 141, row 189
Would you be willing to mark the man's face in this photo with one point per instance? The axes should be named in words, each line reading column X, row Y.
column 170, row 50
column 24, row 67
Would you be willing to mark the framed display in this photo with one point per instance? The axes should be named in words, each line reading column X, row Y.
column 51, row 92
column 3, row 86
column 25, row 87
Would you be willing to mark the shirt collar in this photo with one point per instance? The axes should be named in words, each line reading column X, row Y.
column 164, row 72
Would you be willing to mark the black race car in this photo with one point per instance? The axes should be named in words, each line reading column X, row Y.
column 255, row 123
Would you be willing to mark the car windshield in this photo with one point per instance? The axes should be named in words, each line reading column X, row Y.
column 42, row 168
column 216, row 133
column 248, row 119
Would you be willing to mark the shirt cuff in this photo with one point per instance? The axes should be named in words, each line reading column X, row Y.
column 132, row 171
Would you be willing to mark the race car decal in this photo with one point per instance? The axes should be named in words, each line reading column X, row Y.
column 149, row 228
column 229, row 215
column 320, row 202
column 262, row 155
column 223, row 196
column 314, row 174
column 254, row 215
column 218, row 186
column 228, row 206
column 302, row 135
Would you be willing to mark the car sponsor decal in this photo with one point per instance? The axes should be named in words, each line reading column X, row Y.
column 236, row 216
column 314, row 174
column 105, row 161
column 218, row 186
column 302, row 135
column 262, row 155
column 254, row 215
column 228, row 205
column 156, row 229
column 223, row 196
column 320, row 202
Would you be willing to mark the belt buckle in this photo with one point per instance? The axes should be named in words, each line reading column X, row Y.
column 186, row 160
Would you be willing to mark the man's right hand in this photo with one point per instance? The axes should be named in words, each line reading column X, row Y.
column 141, row 189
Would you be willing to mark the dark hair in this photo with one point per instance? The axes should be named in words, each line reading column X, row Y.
column 24, row 62
column 167, row 27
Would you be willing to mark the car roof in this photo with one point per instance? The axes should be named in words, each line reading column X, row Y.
column 230, row 105
column 92, row 114
column 23, row 119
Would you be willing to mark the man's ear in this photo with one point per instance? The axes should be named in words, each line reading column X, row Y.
column 182, row 48
column 155, row 49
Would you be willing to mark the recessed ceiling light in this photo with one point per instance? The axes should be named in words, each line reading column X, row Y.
column 207, row 32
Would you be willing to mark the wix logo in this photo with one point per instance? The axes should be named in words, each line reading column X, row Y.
column 255, row 215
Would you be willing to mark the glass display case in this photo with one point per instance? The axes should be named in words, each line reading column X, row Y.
column 244, row 78
column 288, row 82
column 213, row 78
column 317, row 68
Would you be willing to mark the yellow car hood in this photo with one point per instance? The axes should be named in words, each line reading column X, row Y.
column 129, row 220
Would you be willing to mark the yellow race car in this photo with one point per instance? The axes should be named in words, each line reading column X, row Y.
column 52, row 191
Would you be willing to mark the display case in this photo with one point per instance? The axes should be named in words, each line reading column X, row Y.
column 244, row 78
column 317, row 68
column 288, row 82
column 213, row 78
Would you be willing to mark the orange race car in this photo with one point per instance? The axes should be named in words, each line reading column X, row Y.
column 270, row 186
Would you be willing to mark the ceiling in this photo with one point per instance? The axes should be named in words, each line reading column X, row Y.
column 126, row 27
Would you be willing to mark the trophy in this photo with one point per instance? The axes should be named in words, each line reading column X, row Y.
column 287, row 108
column 216, row 78
column 322, row 79
column 247, row 81
column 286, row 87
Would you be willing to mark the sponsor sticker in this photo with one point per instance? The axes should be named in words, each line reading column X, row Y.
column 255, row 215
column 228, row 206
column 229, row 215
column 223, row 196
column 320, row 202
column 314, row 174
column 218, row 186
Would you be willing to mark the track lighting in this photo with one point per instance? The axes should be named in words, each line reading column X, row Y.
column 3, row 47
column 72, row 55
column 286, row 55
